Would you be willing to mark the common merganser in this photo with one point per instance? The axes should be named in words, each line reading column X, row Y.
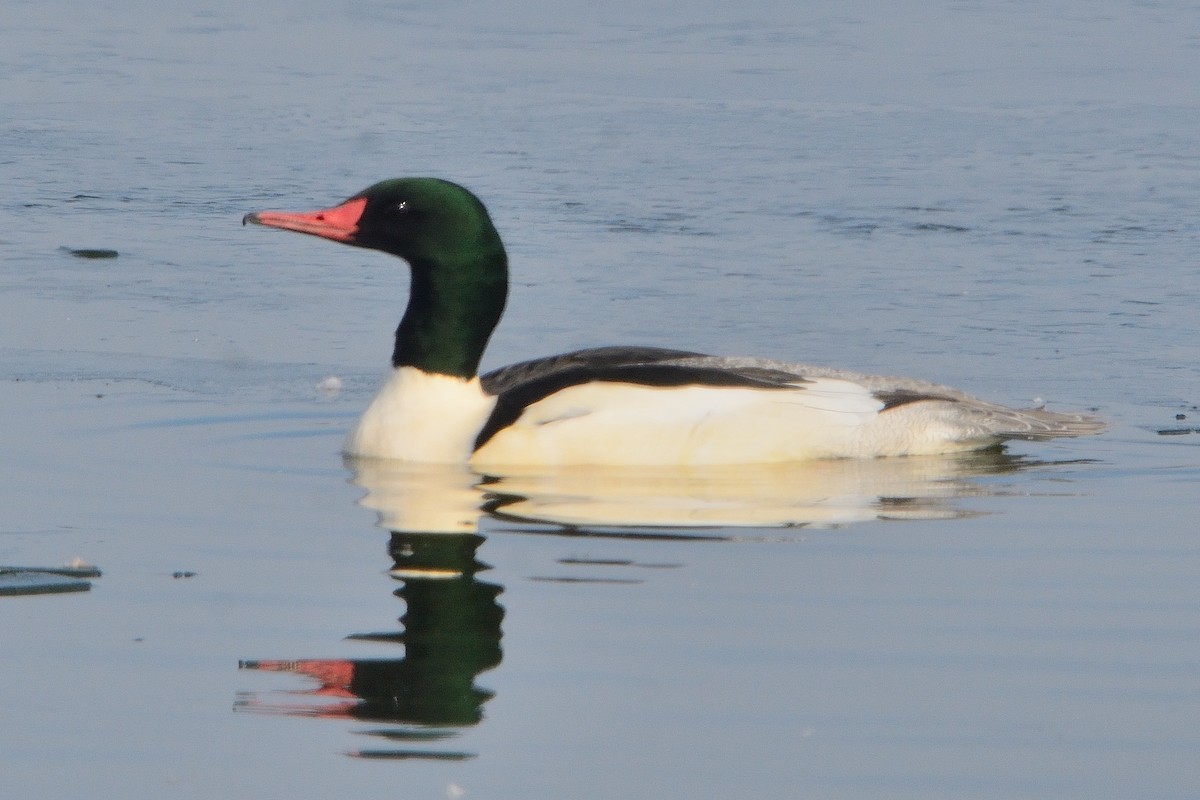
column 610, row 405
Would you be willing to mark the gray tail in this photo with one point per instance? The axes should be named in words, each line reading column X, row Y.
column 1038, row 423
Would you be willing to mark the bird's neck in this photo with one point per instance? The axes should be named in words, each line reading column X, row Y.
column 452, row 310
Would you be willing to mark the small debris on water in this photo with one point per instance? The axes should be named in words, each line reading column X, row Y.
column 1177, row 431
column 183, row 573
column 47, row 580
column 90, row 252
column 82, row 565
column 330, row 385
column 409, row 755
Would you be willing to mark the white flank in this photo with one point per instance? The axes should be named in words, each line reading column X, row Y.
column 624, row 424
column 422, row 417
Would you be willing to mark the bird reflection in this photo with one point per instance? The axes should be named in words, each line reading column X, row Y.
column 679, row 503
column 452, row 621
column 451, row 634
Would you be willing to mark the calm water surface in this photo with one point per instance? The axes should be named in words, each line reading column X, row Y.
column 999, row 199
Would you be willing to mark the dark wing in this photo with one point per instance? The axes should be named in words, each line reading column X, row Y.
column 709, row 370
column 505, row 378
column 902, row 397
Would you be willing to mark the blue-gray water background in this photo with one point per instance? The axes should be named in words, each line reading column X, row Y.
column 1000, row 197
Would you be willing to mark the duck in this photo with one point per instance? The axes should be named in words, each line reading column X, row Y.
column 610, row 406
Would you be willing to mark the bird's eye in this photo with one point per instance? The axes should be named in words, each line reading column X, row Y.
column 401, row 208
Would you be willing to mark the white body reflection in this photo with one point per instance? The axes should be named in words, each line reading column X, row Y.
column 452, row 499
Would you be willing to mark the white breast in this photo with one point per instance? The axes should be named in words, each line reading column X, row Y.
column 422, row 417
